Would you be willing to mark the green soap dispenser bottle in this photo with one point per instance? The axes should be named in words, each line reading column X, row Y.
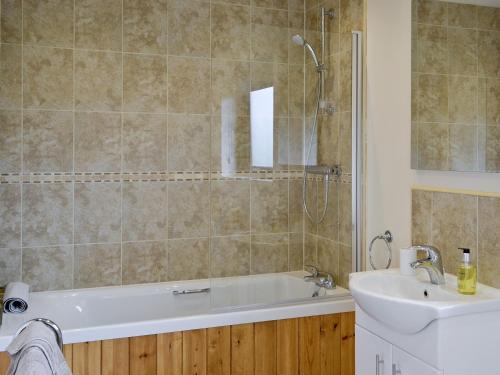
column 466, row 274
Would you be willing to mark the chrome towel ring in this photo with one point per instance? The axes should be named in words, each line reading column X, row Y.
column 49, row 323
column 387, row 237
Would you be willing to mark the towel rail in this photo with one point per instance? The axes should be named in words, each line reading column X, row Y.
column 49, row 323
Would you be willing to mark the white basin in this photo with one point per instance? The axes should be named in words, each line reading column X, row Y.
column 408, row 304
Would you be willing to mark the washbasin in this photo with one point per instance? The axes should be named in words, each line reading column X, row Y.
column 408, row 304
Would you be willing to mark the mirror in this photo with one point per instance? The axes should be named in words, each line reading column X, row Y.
column 456, row 85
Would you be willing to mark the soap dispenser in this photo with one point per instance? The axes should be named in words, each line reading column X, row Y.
column 466, row 274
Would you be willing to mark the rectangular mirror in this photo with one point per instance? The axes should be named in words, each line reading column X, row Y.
column 456, row 85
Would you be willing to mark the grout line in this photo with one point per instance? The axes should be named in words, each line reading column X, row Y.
column 74, row 127
column 22, row 135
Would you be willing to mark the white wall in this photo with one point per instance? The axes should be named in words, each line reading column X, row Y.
column 388, row 175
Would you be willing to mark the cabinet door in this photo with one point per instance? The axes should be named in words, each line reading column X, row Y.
column 405, row 364
column 373, row 355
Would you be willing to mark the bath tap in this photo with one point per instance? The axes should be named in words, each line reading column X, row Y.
column 433, row 263
column 321, row 279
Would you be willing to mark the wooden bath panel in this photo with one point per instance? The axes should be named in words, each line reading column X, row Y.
column 318, row 345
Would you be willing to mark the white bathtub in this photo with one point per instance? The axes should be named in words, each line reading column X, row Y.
column 114, row 312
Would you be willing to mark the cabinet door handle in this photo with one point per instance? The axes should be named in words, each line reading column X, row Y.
column 378, row 362
column 395, row 370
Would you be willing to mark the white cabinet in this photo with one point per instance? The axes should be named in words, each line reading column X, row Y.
column 375, row 356
column 405, row 364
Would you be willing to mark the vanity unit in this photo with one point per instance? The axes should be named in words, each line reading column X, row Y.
column 407, row 326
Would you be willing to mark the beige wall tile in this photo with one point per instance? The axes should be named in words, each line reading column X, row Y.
column 454, row 225
column 269, row 253
column 489, row 240
column 493, row 101
column 488, row 18
column 10, row 141
column 229, row 256
column 296, row 90
column 10, row 76
column 97, row 142
column 48, row 141
column 462, row 99
column 144, row 142
column 188, row 143
column 493, row 148
column 145, row 26
column 432, row 49
column 144, row 211
column 98, row 24
column 296, row 214
column 10, row 265
column 328, row 256
column 296, row 252
column 432, row 98
column 188, row 209
column 463, row 51
column 47, row 214
column 230, row 144
column 97, row 212
column 345, row 265
column 189, row 28
column 462, row 15
column 345, row 141
column 230, row 88
column 414, row 145
column 296, row 142
column 144, row 83
column 230, row 31
column 345, row 82
column 269, row 35
column 48, row 268
column 11, row 21
column 144, row 262
column 421, row 217
column 230, row 207
column 48, row 22
column 432, row 12
column 296, row 23
column 433, row 146
column 463, row 148
column 188, row 259
column 345, row 213
column 10, row 212
column 97, row 265
column 310, row 249
column 269, row 200
column 489, row 53
column 188, row 85
column 98, row 81
column 329, row 227
column 351, row 13
column 48, row 78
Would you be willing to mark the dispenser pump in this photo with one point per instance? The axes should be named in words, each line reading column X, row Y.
column 465, row 254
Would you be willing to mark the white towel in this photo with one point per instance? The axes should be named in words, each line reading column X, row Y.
column 35, row 351
column 15, row 299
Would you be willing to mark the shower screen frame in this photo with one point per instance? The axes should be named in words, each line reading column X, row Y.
column 357, row 149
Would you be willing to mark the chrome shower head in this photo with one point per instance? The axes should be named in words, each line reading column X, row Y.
column 299, row 40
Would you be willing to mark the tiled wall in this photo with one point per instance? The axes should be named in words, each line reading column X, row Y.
column 329, row 244
column 119, row 120
column 452, row 220
column 455, row 86
column 110, row 140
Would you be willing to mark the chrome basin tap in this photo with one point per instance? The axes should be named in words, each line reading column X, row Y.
column 321, row 279
column 433, row 263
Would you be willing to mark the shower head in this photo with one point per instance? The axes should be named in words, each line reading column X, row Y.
column 299, row 40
